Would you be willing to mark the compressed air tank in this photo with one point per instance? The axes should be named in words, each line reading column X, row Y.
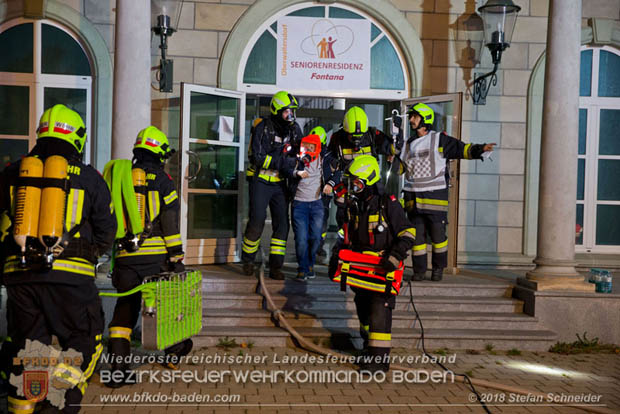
column 138, row 176
column 27, row 203
column 53, row 200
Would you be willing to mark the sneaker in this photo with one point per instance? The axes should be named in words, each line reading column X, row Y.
column 418, row 277
column 437, row 275
column 311, row 274
column 301, row 277
column 276, row 274
column 249, row 269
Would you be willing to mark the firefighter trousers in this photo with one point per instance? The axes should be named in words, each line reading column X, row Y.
column 72, row 313
column 263, row 195
column 374, row 311
column 435, row 227
column 127, row 309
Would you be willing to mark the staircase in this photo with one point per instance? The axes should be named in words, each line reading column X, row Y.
column 461, row 312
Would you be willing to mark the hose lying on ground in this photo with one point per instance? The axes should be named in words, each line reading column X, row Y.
column 308, row 345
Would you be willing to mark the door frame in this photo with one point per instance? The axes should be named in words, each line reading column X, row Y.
column 453, row 199
column 184, row 190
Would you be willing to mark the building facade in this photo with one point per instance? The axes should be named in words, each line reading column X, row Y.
column 226, row 56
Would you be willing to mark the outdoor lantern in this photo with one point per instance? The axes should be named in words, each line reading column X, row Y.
column 499, row 17
column 164, row 22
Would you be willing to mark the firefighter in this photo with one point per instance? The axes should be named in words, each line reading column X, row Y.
column 356, row 138
column 160, row 251
column 376, row 224
column 424, row 163
column 331, row 175
column 50, row 280
column 274, row 143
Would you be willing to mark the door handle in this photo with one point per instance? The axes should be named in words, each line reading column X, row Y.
column 191, row 178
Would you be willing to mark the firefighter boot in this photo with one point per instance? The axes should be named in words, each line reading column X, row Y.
column 118, row 348
column 276, row 273
column 436, row 275
column 248, row 269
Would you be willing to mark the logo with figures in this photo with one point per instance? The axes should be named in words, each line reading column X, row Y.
column 35, row 385
column 328, row 40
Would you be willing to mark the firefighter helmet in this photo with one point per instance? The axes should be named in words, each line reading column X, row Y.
column 282, row 100
column 152, row 139
column 364, row 168
column 63, row 123
column 355, row 122
column 320, row 131
column 424, row 111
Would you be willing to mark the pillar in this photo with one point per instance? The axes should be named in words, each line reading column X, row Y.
column 555, row 258
column 132, row 75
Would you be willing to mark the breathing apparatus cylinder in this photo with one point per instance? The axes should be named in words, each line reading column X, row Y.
column 27, row 205
column 139, row 183
column 52, row 210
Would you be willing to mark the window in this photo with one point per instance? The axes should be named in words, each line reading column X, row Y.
column 388, row 77
column 43, row 65
column 598, row 179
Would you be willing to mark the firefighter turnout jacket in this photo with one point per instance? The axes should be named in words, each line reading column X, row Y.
column 164, row 240
column 424, row 161
column 89, row 224
column 272, row 149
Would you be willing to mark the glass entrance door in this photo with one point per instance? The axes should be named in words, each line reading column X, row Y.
column 447, row 118
column 212, row 146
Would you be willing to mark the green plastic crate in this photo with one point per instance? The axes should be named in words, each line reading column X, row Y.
column 171, row 308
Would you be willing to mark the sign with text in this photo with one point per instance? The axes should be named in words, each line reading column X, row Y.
column 320, row 53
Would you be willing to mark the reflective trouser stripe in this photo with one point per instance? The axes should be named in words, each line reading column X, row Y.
column 278, row 246
column 68, row 374
column 20, row 406
column 419, row 250
column 120, row 332
column 380, row 339
column 91, row 365
column 440, row 247
column 250, row 246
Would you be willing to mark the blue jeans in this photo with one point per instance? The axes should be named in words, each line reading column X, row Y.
column 307, row 225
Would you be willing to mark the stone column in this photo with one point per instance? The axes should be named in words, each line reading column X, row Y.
column 132, row 75
column 555, row 259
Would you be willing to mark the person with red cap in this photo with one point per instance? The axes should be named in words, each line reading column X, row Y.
column 307, row 207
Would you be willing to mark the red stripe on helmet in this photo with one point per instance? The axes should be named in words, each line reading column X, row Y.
column 150, row 144
column 62, row 130
column 44, row 129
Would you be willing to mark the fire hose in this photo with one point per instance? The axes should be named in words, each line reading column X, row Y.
column 278, row 315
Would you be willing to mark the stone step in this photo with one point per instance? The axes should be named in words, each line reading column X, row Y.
column 407, row 319
column 400, row 319
column 258, row 336
column 336, row 302
column 321, row 285
column 501, row 339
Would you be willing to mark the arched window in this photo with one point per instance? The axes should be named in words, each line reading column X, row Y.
column 43, row 64
column 388, row 74
column 598, row 184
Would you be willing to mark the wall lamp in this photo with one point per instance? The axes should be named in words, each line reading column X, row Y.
column 164, row 22
column 499, row 17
